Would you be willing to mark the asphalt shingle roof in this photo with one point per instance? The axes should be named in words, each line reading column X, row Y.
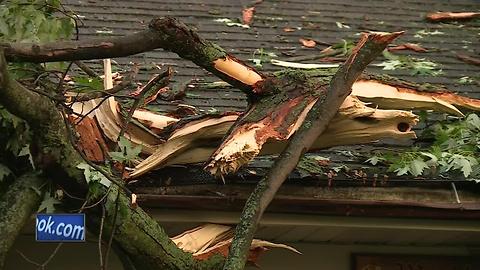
column 315, row 19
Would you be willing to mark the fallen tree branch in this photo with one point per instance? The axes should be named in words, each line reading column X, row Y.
column 451, row 16
column 316, row 121
column 468, row 59
column 90, row 72
column 167, row 33
column 140, row 236
column 16, row 207
column 355, row 123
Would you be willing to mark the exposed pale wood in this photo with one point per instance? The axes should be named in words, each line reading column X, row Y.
column 235, row 69
column 153, row 120
column 209, row 239
column 183, row 140
column 390, row 97
column 414, row 92
column 451, row 16
column 354, row 124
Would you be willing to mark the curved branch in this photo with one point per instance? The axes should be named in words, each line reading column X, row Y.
column 167, row 33
column 368, row 47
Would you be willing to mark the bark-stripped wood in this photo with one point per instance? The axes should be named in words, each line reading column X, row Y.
column 355, row 123
column 209, row 239
column 451, row 16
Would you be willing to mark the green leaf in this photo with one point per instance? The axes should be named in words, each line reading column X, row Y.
column 92, row 83
column 4, row 172
column 92, row 175
column 374, row 160
column 127, row 152
column 25, row 151
column 401, row 171
column 433, row 161
column 48, row 204
column 473, row 120
column 417, row 166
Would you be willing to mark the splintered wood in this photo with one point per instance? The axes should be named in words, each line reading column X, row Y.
column 211, row 239
column 197, row 141
column 228, row 142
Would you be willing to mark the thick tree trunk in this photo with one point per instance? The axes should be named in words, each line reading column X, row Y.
column 137, row 233
column 16, row 207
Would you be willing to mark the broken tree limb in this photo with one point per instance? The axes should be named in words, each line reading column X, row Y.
column 439, row 98
column 16, row 207
column 209, row 239
column 316, row 121
column 90, row 72
column 183, row 139
column 468, row 59
column 451, row 16
column 390, row 97
column 355, row 123
column 167, row 33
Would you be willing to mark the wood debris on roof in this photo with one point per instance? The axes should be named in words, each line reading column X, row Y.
column 266, row 31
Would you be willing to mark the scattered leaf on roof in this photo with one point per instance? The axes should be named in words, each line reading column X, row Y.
column 423, row 32
column 451, row 16
column 465, row 80
column 309, row 43
column 341, row 25
column 417, row 66
column 288, row 29
column 408, row 46
column 230, row 23
column 104, row 31
column 247, row 15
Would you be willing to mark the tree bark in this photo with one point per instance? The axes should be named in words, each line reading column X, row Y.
column 16, row 207
column 368, row 47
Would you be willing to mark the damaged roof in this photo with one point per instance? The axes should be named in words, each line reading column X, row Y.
column 321, row 20
column 276, row 28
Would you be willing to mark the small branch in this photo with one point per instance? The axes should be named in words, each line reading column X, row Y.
column 62, row 78
column 112, row 233
column 468, row 59
column 368, row 47
column 161, row 80
column 100, row 233
column 90, row 72
column 451, row 16
column 108, row 92
column 49, row 259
